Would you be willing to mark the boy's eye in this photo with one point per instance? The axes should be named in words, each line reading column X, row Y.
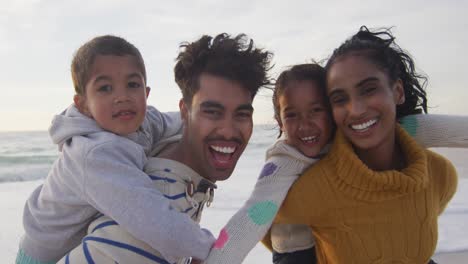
column 105, row 88
column 134, row 85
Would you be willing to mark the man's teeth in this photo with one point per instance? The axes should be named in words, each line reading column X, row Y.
column 309, row 138
column 364, row 125
column 226, row 150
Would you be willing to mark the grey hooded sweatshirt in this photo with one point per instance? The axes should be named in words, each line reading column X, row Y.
column 100, row 172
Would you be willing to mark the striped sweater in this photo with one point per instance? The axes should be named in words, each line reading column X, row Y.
column 107, row 242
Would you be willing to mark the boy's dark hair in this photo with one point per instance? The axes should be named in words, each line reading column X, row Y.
column 103, row 45
column 235, row 59
column 379, row 47
column 298, row 73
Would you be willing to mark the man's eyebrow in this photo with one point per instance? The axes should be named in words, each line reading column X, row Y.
column 247, row 107
column 362, row 82
column 211, row 104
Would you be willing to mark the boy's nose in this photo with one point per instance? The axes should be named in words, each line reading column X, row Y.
column 121, row 97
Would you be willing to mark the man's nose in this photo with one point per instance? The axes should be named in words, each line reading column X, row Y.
column 228, row 129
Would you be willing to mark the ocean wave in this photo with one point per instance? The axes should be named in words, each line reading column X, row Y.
column 27, row 159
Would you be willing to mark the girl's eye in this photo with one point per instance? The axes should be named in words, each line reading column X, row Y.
column 134, row 85
column 317, row 109
column 105, row 88
column 290, row 115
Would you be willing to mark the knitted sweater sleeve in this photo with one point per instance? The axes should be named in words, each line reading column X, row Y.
column 437, row 130
column 250, row 224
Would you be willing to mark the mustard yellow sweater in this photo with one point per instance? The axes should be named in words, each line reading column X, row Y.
column 362, row 216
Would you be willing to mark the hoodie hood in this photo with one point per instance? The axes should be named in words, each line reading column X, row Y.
column 70, row 123
column 280, row 148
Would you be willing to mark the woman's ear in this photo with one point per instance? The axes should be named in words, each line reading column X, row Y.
column 399, row 92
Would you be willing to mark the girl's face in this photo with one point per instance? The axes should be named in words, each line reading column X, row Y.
column 305, row 120
column 363, row 102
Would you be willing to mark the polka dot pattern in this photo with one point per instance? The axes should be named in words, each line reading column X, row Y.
column 410, row 124
column 268, row 169
column 222, row 239
column 263, row 212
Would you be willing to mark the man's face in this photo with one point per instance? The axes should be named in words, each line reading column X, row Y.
column 218, row 126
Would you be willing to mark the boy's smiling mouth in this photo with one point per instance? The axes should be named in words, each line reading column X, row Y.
column 124, row 114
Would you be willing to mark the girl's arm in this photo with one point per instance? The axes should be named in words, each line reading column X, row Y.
column 437, row 130
column 249, row 225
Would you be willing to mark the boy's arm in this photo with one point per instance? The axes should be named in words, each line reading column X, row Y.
column 248, row 226
column 437, row 130
column 164, row 128
column 116, row 185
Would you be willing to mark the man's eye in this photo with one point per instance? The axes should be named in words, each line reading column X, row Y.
column 134, row 85
column 244, row 114
column 212, row 112
column 105, row 88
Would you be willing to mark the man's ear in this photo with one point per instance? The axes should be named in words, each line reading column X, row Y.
column 81, row 104
column 399, row 92
column 148, row 90
column 184, row 111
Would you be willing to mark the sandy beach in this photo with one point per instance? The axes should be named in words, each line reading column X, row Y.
column 13, row 195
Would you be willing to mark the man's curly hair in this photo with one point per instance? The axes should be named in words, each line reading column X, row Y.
column 236, row 59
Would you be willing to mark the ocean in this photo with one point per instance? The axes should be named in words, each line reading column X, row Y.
column 28, row 156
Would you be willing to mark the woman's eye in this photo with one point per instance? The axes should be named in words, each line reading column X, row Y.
column 337, row 100
column 369, row 90
column 105, row 88
column 134, row 85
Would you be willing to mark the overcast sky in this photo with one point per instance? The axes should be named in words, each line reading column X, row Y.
column 39, row 37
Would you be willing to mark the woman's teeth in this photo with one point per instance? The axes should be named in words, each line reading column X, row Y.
column 365, row 125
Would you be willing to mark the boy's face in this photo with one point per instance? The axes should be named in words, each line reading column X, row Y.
column 305, row 119
column 218, row 126
column 115, row 94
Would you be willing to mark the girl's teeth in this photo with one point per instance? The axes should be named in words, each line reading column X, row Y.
column 226, row 150
column 309, row 138
column 364, row 125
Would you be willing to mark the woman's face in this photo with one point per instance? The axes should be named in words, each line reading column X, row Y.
column 363, row 101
